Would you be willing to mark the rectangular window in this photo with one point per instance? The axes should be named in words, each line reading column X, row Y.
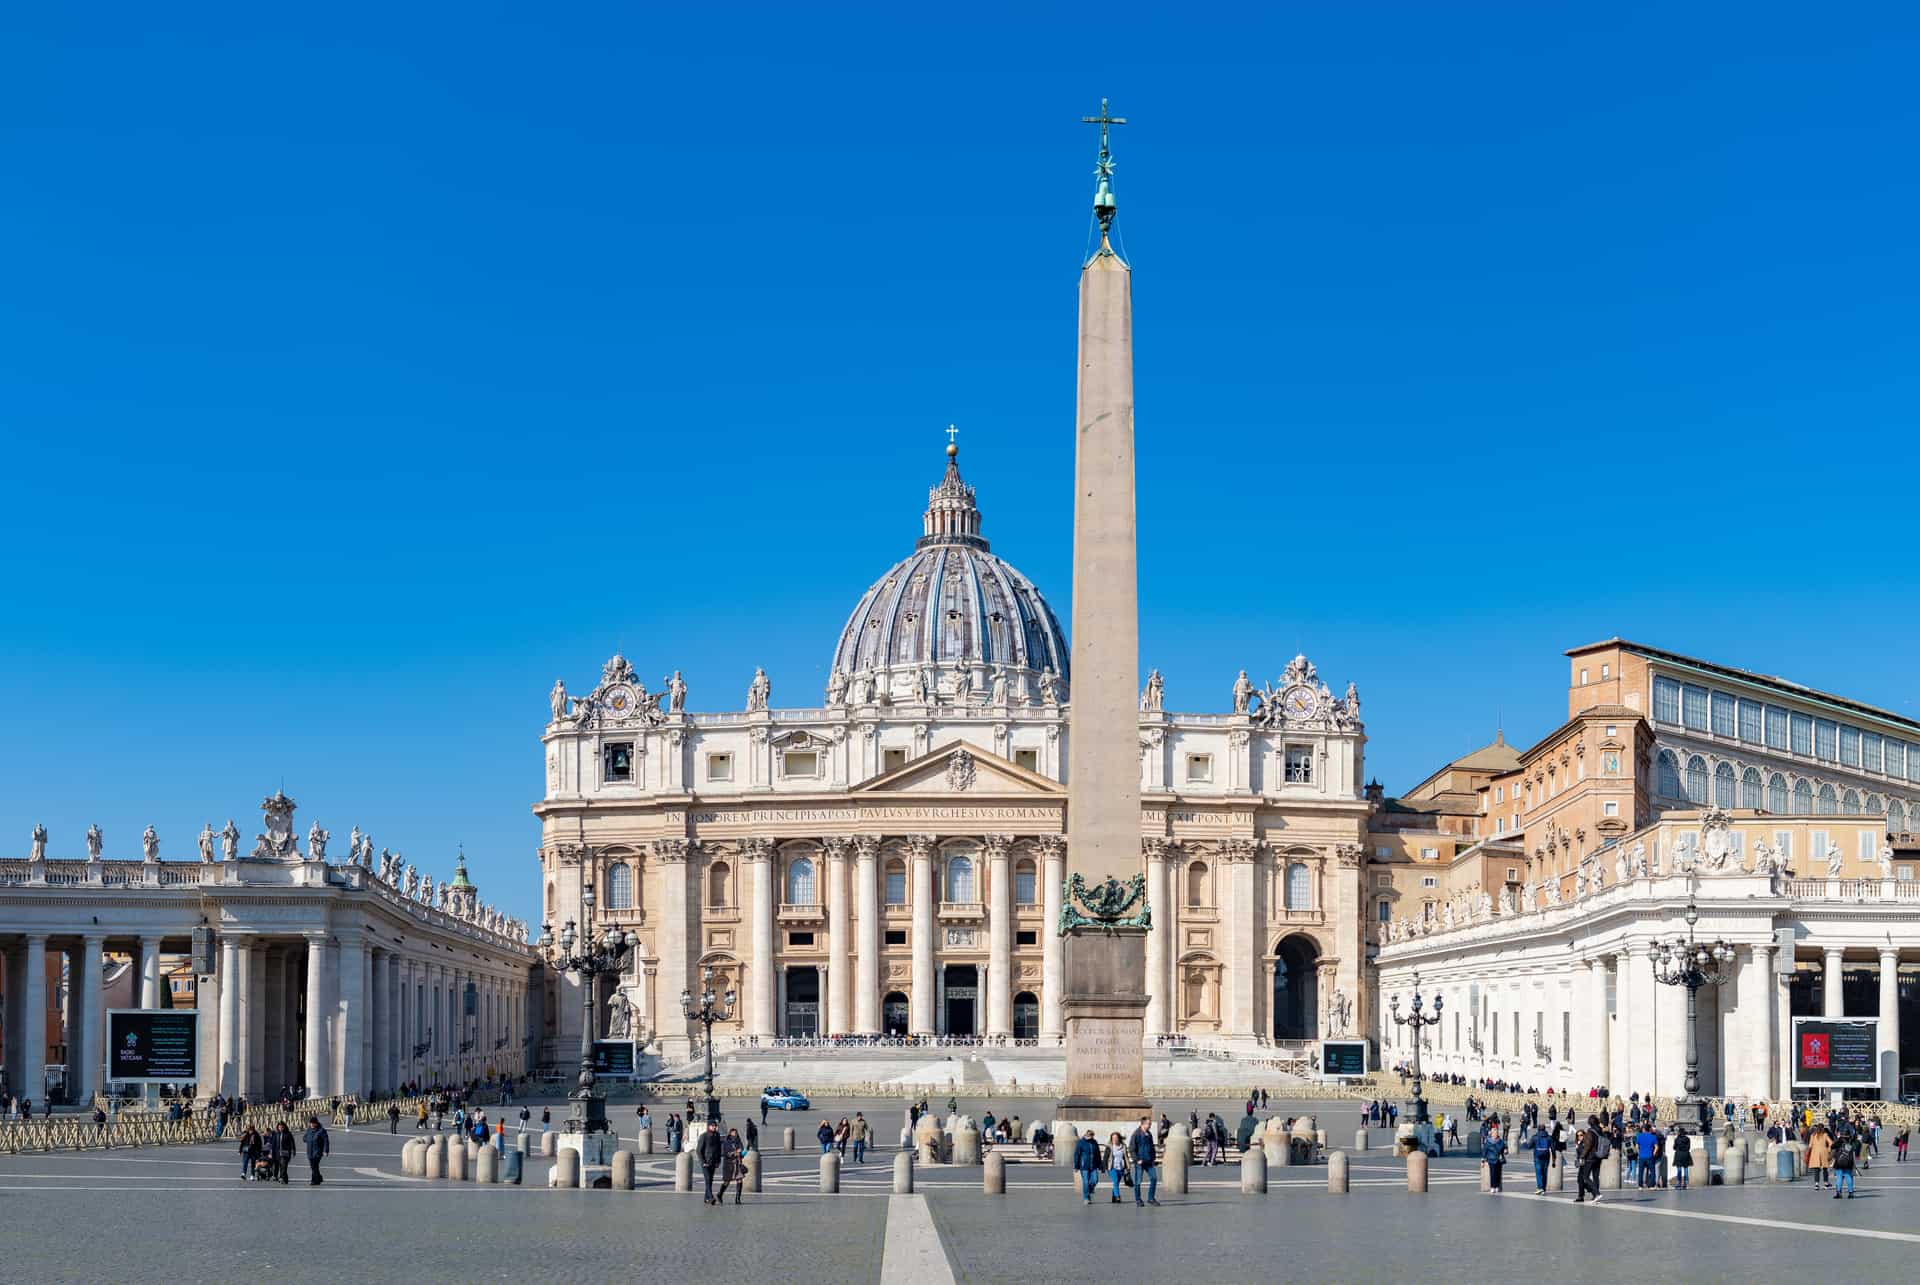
column 799, row 939
column 1850, row 746
column 719, row 767
column 1870, row 751
column 1382, row 880
column 616, row 762
column 1499, row 794
column 800, row 763
column 896, row 936
column 1383, row 852
column 1429, row 854
column 1513, row 874
column 1826, row 737
column 1776, row 728
column 1026, row 937
column 1904, row 873
column 1693, row 707
column 1583, row 677
column 1429, row 881
column 1610, row 808
column 896, row 887
column 1499, row 825
column 1299, row 765
column 1566, row 1037
column 1801, row 740
column 1385, row 911
column 1817, row 852
column 1199, row 767
column 1666, row 701
column 890, row 759
column 1613, row 729
column 1606, row 672
column 1722, row 714
column 1029, row 759
column 1783, row 845
column 1023, row 887
column 1750, row 722
column 1896, row 758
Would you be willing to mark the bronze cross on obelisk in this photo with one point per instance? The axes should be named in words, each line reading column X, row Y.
column 1103, row 120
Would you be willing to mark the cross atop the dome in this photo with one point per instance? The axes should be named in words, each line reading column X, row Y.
column 952, row 433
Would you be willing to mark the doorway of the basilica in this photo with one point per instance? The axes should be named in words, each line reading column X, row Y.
column 1296, row 983
column 962, row 998
column 803, row 1003
column 893, row 1013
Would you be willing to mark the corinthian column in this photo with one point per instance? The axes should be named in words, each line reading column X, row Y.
column 1242, row 914
column 1156, row 853
column 839, row 938
column 672, row 855
column 1053, row 865
column 758, row 856
column 999, row 1004
column 920, row 1001
column 866, row 997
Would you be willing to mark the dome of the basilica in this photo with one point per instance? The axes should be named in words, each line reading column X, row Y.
column 951, row 612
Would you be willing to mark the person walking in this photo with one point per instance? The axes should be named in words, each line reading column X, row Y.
column 763, row 1109
column 317, row 1147
column 858, row 1132
column 1086, row 1163
column 393, row 1117
column 753, row 1136
column 1900, row 1144
column 710, row 1152
column 283, row 1152
column 1845, row 1153
column 841, row 1133
column 676, row 1132
column 1117, row 1163
column 733, row 1162
column 1820, row 1156
column 1682, row 1156
column 249, row 1152
column 1543, row 1155
column 1645, row 1141
column 1493, row 1150
column 1145, row 1164
column 1590, row 1148
column 825, row 1134
column 420, row 1117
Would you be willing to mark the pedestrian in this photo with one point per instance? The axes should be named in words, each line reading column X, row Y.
column 1683, row 1156
column 1117, row 1163
column 546, row 1119
column 1493, row 1149
column 710, row 1151
column 1145, row 1163
column 841, row 1134
column 420, row 1117
column 733, row 1170
column 1086, row 1163
column 1844, row 1152
column 859, row 1134
column 1243, row 1137
column 283, row 1152
column 317, row 1146
column 393, row 1117
column 1820, row 1156
column 1900, row 1144
column 825, row 1134
column 763, row 1110
column 676, row 1132
column 526, row 1114
column 249, row 1153
column 753, row 1136
column 1589, row 1149
column 1542, row 1156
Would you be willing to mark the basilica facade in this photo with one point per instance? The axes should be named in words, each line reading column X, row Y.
column 889, row 860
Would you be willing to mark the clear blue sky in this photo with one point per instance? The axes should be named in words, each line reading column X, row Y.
column 362, row 372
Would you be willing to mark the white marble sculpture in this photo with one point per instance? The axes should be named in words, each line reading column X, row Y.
column 557, row 700
column 1153, row 695
column 759, row 691
column 676, row 694
column 206, row 844
column 1886, row 860
column 39, row 843
column 230, row 841
column 1834, row 860
column 94, row 842
column 1242, row 693
column 317, row 843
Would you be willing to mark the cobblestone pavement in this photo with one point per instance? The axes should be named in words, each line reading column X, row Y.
column 119, row 1216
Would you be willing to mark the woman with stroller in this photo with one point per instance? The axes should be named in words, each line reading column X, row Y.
column 250, row 1152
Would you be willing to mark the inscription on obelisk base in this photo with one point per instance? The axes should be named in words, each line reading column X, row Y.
column 1106, row 1019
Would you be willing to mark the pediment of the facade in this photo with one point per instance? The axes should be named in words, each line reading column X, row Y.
column 959, row 769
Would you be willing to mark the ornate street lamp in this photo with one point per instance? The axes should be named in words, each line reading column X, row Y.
column 593, row 957
column 1417, row 1021
column 1686, row 962
column 707, row 1009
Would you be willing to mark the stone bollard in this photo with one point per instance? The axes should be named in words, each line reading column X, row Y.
column 457, row 1163
column 413, row 1159
column 1757, row 1149
column 566, row 1169
column 966, row 1143
column 623, row 1170
column 1610, row 1172
column 906, row 1137
column 1417, row 1172
column 903, row 1174
column 1276, row 1146
column 473, row 1153
column 1779, row 1163
column 830, row 1174
column 548, row 1142
column 1179, row 1156
column 1486, row 1177
column 1337, row 1173
column 525, row 1145
column 1253, row 1173
column 786, row 1137
column 1360, row 1140
column 994, row 1181
column 1556, row 1175
column 487, row 1167
column 1320, row 1138
column 436, row 1159
column 512, row 1167
column 644, row 1142
column 683, row 1171
column 753, row 1171
column 928, row 1141
column 1733, row 1167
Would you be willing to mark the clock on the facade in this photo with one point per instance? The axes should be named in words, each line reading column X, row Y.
column 618, row 700
column 1299, row 701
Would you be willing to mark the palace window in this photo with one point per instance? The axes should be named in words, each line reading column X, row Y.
column 1697, row 780
column 1753, row 791
column 1850, row 804
column 1299, row 765
column 1870, row 751
column 1669, row 775
column 619, row 886
column 1723, row 717
column 1723, row 787
column 1872, row 806
column 1776, row 728
column 1024, row 884
column 1200, row 767
column 1026, row 937
column 1429, row 881
column 1693, row 707
column 1610, row 808
column 1896, row 758
column 1750, row 716
column 1606, row 672
column 1197, row 884
column 1299, row 886
column 1029, row 759
column 1829, row 802
column 1385, row 911
column 1802, row 798
column 1896, row 817
column 616, row 762
column 1850, row 746
column 717, row 885
column 800, row 883
column 896, row 882
column 1826, row 733
column 1777, row 794
column 896, row 936
column 959, row 879
column 1666, row 701
column 1583, row 677
column 800, row 939
column 800, row 763
column 719, row 767
column 1801, row 727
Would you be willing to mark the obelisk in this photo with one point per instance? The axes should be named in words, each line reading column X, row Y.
column 1105, row 915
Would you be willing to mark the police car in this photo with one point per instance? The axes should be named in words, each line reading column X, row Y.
column 783, row 1099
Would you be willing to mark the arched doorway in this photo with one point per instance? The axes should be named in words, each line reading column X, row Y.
column 1296, row 984
column 893, row 1013
column 1026, row 1016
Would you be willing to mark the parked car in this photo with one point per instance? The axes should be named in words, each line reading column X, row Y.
column 783, row 1099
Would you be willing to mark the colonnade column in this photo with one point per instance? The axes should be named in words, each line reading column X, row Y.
column 1157, row 994
column 1590, row 1027
column 149, row 972
column 1242, row 914
column 920, row 1002
column 319, row 1069
column 1621, row 1039
column 230, row 993
column 253, row 1028
column 1053, row 854
column 866, row 996
column 33, row 1062
column 382, row 962
column 395, row 1027
column 1889, row 1027
column 1832, row 1003
column 839, row 939
column 1755, row 1009
column 291, row 1067
column 757, row 855
column 999, row 1005
column 273, row 1019
column 92, row 1023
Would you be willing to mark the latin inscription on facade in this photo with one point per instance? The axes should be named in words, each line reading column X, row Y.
column 843, row 816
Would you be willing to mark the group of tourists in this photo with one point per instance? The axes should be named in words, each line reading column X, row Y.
column 836, row 1137
column 266, row 1155
column 1133, row 1160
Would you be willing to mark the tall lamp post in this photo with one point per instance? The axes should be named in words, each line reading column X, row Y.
column 706, row 1009
column 1416, row 1021
column 1692, row 964
column 594, row 956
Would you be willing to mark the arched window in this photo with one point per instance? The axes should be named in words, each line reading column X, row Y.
column 1872, row 806
column 1197, row 884
column 800, row 883
column 896, row 882
column 1697, row 780
column 1777, row 794
column 619, row 886
column 1299, row 886
column 1723, row 788
column 1850, row 805
column 549, row 901
column 1024, row 883
column 717, row 885
column 1753, row 794
column 1896, row 817
column 959, row 879
column 1829, row 804
column 1802, row 798
column 1669, row 779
